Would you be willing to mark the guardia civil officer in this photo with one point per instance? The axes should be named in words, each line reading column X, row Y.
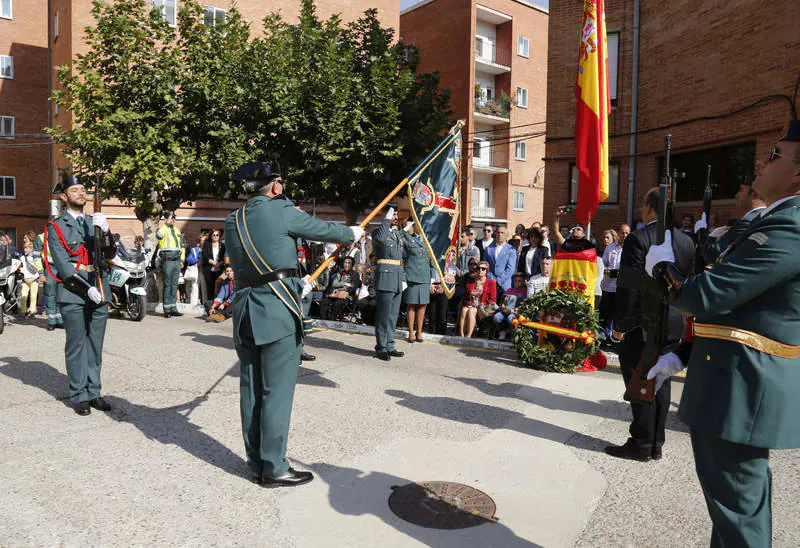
column 70, row 239
column 750, row 204
column 741, row 394
column 172, row 253
column 390, row 282
column 267, row 315
column 47, row 269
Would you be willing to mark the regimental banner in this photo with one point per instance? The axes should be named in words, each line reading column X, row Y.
column 434, row 192
column 591, row 116
column 575, row 271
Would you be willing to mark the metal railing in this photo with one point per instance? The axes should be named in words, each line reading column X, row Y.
column 491, row 53
column 493, row 107
column 483, row 212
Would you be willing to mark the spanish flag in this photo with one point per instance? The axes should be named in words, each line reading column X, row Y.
column 591, row 118
column 575, row 271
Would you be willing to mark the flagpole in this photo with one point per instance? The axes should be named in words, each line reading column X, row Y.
column 363, row 224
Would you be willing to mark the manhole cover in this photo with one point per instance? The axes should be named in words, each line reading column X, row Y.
column 442, row 505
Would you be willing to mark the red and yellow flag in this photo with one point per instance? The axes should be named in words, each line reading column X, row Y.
column 575, row 271
column 594, row 105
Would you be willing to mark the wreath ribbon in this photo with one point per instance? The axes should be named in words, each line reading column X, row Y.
column 585, row 336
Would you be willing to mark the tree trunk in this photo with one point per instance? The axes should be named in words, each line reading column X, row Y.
column 351, row 212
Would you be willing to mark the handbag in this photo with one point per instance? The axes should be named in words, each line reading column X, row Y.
column 190, row 274
column 486, row 310
column 340, row 294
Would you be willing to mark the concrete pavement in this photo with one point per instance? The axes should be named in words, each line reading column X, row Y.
column 166, row 466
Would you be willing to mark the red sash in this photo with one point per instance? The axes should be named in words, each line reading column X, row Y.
column 82, row 253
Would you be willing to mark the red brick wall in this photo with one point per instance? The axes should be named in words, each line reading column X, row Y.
column 696, row 59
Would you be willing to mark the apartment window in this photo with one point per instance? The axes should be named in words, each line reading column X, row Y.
column 613, row 184
column 522, row 97
column 167, row 8
column 520, row 150
column 6, row 126
column 731, row 166
column 8, row 187
column 5, row 9
column 613, row 63
column 6, row 66
column 519, row 201
column 55, row 25
column 523, row 46
column 214, row 16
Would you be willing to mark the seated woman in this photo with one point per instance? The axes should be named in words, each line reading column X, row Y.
column 366, row 295
column 342, row 288
column 511, row 301
column 480, row 291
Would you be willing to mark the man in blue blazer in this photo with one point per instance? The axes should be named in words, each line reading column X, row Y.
column 502, row 259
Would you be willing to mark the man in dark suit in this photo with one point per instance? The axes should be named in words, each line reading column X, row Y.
column 638, row 297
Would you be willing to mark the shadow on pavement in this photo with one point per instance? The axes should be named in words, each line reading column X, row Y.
column 488, row 416
column 353, row 492
column 328, row 344
column 219, row 341
column 500, row 356
column 166, row 425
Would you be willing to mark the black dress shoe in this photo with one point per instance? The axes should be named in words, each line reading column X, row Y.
column 100, row 404
column 51, row 328
column 306, row 357
column 167, row 315
column 396, row 354
column 177, row 314
column 657, row 454
column 383, row 356
column 291, row 478
column 628, row 451
column 82, row 408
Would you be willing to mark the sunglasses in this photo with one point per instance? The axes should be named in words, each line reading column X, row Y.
column 774, row 154
column 482, row 268
column 487, row 229
column 473, row 265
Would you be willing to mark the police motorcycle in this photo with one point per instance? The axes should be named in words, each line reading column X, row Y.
column 128, row 281
column 10, row 276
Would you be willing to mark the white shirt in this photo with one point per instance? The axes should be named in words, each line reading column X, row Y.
column 611, row 258
column 215, row 252
column 76, row 216
column 759, row 208
column 537, row 283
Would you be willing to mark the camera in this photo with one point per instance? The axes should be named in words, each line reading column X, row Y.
column 568, row 208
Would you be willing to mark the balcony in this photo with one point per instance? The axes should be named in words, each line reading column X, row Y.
column 482, row 212
column 493, row 112
column 491, row 163
column 491, row 59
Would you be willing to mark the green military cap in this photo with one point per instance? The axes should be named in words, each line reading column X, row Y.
column 257, row 171
column 66, row 182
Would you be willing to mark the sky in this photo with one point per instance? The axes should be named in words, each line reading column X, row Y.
column 542, row 3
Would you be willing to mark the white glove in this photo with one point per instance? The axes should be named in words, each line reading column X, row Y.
column 403, row 285
column 390, row 213
column 702, row 223
column 94, row 295
column 306, row 286
column 408, row 226
column 357, row 232
column 719, row 231
column 329, row 249
column 660, row 253
column 667, row 366
column 98, row 219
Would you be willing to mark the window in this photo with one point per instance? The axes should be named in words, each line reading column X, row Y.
column 730, row 167
column 519, row 201
column 6, row 126
column 613, row 184
column 213, row 16
column 167, row 8
column 8, row 187
column 55, row 25
column 523, row 47
column 55, row 108
column 522, row 97
column 520, row 150
column 5, row 9
column 613, row 63
column 6, row 66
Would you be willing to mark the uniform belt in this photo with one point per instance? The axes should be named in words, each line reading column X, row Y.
column 269, row 277
column 747, row 338
column 86, row 267
column 396, row 262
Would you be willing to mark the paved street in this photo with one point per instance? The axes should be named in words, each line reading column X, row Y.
column 166, row 466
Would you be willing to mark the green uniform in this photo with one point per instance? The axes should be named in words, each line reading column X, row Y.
column 170, row 244
column 389, row 277
column 714, row 246
column 51, row 307
column 267, row 329
column 740, row 402
column 84, row 321
column 419, row 269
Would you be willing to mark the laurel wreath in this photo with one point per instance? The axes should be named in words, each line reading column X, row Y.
column 568, row 355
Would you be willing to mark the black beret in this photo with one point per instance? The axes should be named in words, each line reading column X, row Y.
column 793, row 131
column 256, row 171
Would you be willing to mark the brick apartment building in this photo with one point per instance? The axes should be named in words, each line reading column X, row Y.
column 492, row 56
column 38, row 35
column 695, row 59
